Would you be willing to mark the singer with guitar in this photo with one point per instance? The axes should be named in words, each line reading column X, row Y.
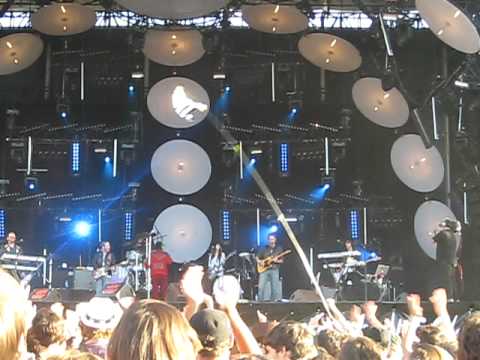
column 103, row 261
column 268, row 264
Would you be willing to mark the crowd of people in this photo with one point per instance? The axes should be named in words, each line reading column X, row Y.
column 213, row 329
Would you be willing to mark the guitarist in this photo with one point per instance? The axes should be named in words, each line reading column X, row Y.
column 102, row 263
column 271, row 277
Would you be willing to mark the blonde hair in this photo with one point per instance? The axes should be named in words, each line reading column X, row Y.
column 469, row 338
column 361, row 348
column 295, row 337
column 13, row 306
column 153, row 330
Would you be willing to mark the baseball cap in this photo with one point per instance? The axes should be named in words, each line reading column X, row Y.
column 213, row 328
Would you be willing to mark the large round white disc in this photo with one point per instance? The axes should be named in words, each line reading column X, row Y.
column 18, row 52
column 178, row 102
column 181, row 167
column 450, row 24
column 428, row 216
column 385, row 108
column 330, row 52
column 173, row 9
column 173, row 47
column 419, row 168
column 275, row 19
column 186, row 231
column 63, row 19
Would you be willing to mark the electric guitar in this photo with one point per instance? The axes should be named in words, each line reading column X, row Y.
column 268, row 262
column 106, row 270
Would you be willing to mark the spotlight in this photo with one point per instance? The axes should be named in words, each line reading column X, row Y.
column 63, row 114
column 82, row 228
column 273, row 229
column 107, row 159
column 227, row 88
column 294, row 110
column 31, row 184
column 131, row 89
column 252, row 162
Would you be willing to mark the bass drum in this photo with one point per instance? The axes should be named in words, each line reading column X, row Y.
column 355, row 288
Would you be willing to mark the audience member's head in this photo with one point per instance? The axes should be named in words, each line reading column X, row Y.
column 469, row 338
column 360, row 348
column 75, row 355
column 433, row 335
column 423, row 351
column 47, row 330
column 292, row 338
column 13, row 309
column 323, row 355
column 153, row 330
column 331, row 340
column 215, row 333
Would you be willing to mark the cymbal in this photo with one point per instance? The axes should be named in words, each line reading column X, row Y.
column 63, row 19
column 173, row 9
column 419, row 168
column 275, row 19
column 188, row 232
column 385, row 108
column 450, row 24
column 181, row 167
column 330, row 52
column 173, row 47
column 427, row 217
column 178, row 102
column 18, row 52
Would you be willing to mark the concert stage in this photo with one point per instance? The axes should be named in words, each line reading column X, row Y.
column 282, row 310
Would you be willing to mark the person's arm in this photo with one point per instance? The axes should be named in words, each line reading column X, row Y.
column 244, row 339
column 439, row 302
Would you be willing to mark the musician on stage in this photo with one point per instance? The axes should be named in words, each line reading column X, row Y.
column 103, row 261
column 216, row 262
column 160, row 266
column 11, row 246
column 271, row 277
column 445, row 236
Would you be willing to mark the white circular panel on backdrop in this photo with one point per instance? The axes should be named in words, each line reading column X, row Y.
column 178, row 102
column 64, row 19
column 275, row 19
column 419, row 168
column 385, row 108
column 173, row 47
column 330, row 52
column 428, row 216
column 173, row 9
column 187, row 232
column 181, row 167
column 18, row 52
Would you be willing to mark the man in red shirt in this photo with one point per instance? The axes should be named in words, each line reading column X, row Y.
column 159, row 269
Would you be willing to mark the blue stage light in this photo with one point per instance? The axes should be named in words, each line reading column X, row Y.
column 228, row 88
column 320, row 193
column 128, row 235
column 63, row 114
column 294, row 110
column 226, row 225
column 131, row 89
column 354, row 224
column 273, row 229
column 75, row 157
column 82, row 228
column 3, row 217
column 284, row 159
column 107, row 159
column 252, row 162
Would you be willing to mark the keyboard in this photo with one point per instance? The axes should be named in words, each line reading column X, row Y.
column 339, row 254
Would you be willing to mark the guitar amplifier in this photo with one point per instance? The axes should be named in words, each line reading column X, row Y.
column 83, row 279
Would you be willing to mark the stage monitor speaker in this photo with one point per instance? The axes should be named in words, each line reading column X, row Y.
column 83, row 279
column 304, row 295
column 65, row 296
column 117, row 290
